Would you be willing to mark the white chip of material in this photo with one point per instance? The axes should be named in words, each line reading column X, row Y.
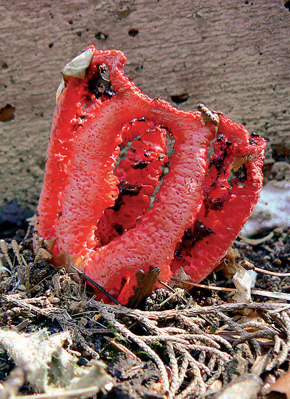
column 243, row 283
column 77, row 67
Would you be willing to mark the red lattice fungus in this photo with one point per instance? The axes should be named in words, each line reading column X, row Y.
column 116, row 201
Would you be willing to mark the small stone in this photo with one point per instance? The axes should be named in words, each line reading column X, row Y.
column 9, row 313
column 22, row 287
column 216, row 385
column 276, row 279
column 53, row 300
column 267, row 257
column 278, row 231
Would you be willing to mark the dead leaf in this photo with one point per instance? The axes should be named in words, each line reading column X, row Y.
column 246, row 387
column 43, row 254
column 260, row 364
column 238, row 162
column 282, row 385
column 146, row 282
column 48, row 366
column 230, row 262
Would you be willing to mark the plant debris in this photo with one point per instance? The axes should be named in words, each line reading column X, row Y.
column 47, row 365
column 178, row 344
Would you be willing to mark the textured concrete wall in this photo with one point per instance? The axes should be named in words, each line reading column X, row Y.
column 231, row 55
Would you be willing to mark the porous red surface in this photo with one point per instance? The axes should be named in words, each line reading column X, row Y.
column 102, row 214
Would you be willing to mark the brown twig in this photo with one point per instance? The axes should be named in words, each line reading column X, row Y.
column 174, row 370
column 259, row 270
column 207, row 287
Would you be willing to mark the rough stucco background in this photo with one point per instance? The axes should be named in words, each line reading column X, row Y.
column 231, row 55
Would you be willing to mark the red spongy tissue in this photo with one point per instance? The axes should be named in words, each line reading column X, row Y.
column 129, row 186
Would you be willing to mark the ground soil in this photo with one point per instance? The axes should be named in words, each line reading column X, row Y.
column 41, row 299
